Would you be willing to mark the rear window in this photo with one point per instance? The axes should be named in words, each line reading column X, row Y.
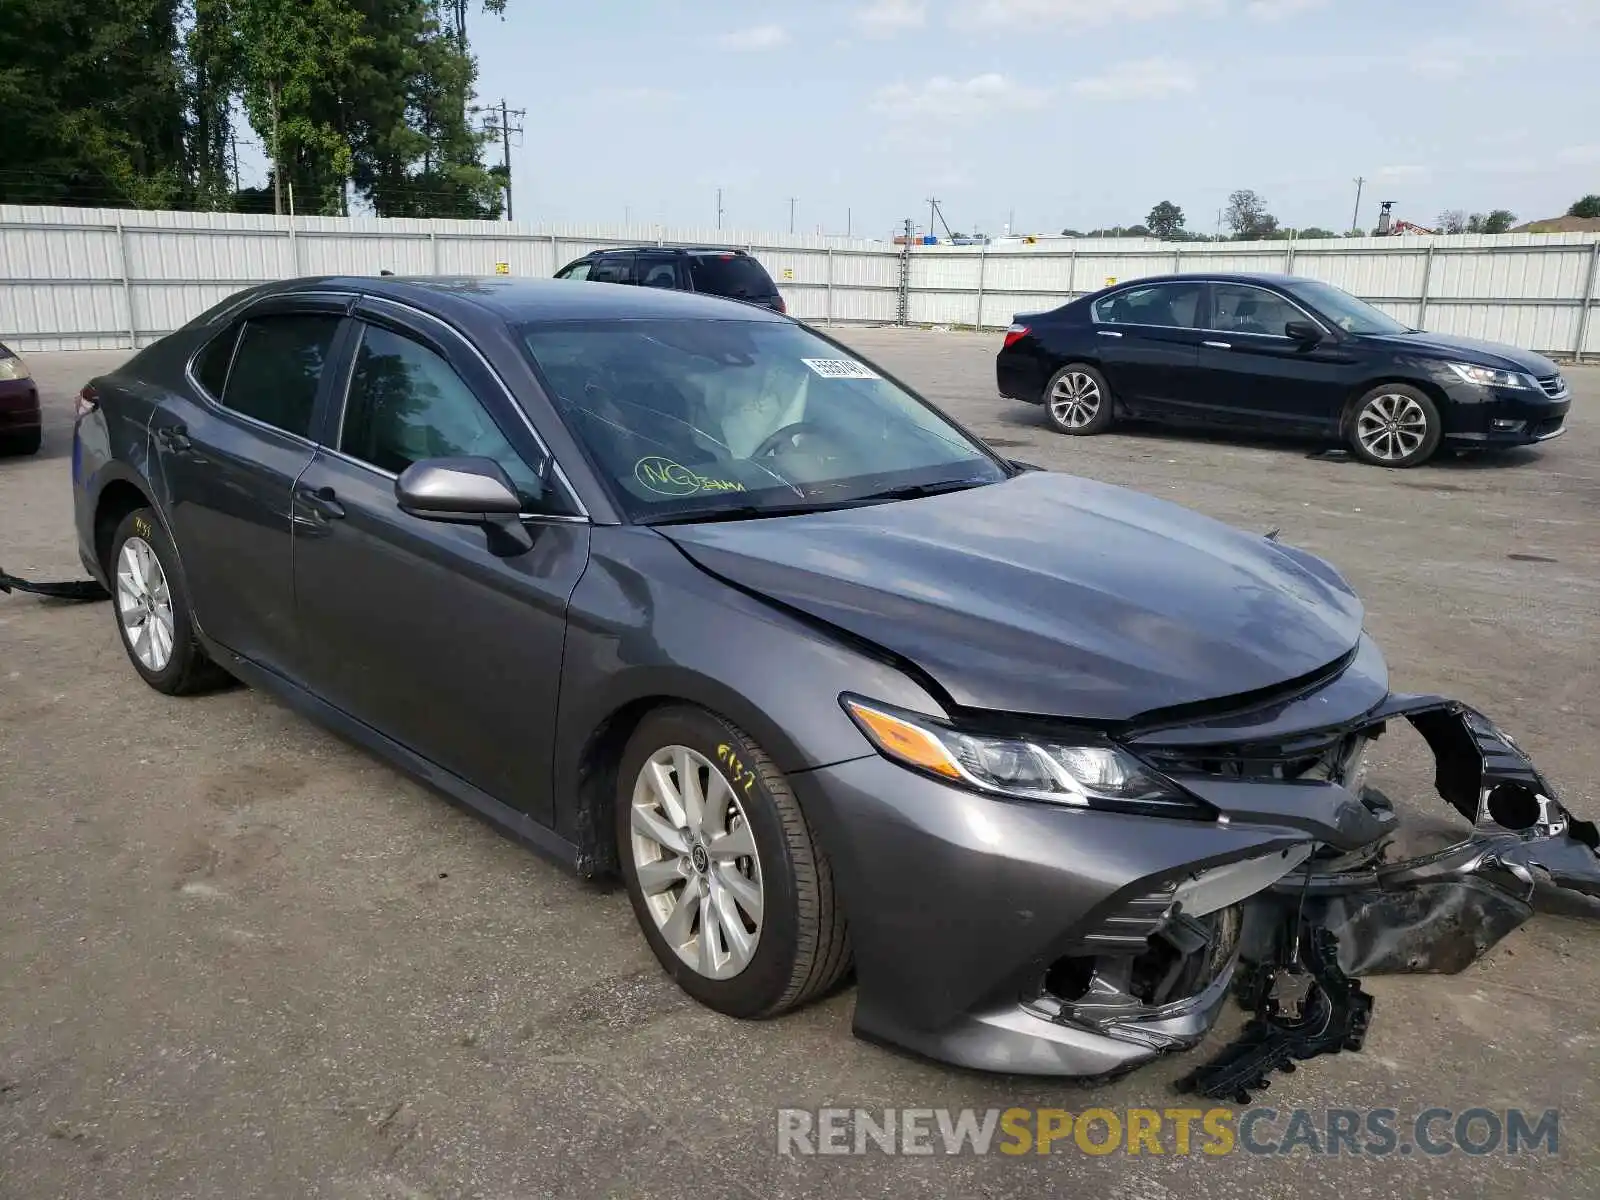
column 734, row 275
column 277, row 368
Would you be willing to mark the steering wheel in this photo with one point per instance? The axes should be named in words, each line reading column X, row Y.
column 787, row 438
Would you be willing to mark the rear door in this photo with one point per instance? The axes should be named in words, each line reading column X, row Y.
column 1149, row 343
column 657, row 270
column 1258, row 378
column 416, row 627
column 614, row 268
column 228, row 461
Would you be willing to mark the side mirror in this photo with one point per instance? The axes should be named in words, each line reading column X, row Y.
column 466, row 491
column 1305, row 332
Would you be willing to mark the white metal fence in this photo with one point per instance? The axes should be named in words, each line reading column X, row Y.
column 77, row 278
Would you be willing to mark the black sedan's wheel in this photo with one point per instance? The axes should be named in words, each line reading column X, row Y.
column 152, row 610
column 1078, row 400
column 734, row 895
column 1395, row 426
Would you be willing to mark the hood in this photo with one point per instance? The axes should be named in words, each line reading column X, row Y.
column 1049, row 595
column 1471, row 350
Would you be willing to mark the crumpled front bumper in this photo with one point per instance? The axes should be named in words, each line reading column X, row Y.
column 1029, row 938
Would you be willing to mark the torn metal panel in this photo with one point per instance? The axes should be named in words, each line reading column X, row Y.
column 1440, row 912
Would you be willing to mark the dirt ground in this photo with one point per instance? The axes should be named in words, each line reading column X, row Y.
column 244, row 959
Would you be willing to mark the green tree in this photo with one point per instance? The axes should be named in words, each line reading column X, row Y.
column 1589, row 206
column 1165, row 220
column 1316, row 232
column 1498, row 221
column 1248, row 217
column 93, row 101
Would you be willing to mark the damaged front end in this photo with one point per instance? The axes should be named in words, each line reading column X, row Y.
column 1290, row 932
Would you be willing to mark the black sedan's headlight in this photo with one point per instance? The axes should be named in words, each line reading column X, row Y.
column 1087, row 772
column 1491, row 376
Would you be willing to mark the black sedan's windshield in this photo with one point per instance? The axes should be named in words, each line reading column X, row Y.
column 733, row 418
column 1343, row 309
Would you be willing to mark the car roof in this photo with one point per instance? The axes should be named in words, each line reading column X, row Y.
column 1268, row 278
column 530, row 299
column 718, row 250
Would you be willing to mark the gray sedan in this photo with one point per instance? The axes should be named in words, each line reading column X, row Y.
column 678, row 589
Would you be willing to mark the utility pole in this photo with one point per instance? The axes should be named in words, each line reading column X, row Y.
column 499, row 121
column 847, row 226
column 792, row 199
column 933, row 209
column 1355, row 217
column 719, row 208
column 1219, row 224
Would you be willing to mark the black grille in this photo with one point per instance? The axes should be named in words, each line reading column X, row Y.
column 1553, row 386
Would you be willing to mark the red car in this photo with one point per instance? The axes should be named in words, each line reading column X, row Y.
column 20, row 425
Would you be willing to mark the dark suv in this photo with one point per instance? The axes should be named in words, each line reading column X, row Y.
column 730, row 273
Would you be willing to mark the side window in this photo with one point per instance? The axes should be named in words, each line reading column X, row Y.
column 407, row 403
column 211, row 364
column 1169, row 304
column 277, row 367
column 577, row 270
column 613, row 268
column 658, row 272
column 1238, row 308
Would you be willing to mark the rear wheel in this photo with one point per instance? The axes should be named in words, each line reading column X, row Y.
column 727, row 881
column 153, row 611
column 1395, row 425
column 1078, row 400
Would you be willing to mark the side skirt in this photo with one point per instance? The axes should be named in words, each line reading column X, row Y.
column 510, row 821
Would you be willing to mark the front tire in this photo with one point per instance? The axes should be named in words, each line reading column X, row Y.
column 1395, row 425
column 1078, row 400
column 152, row 608
column 734, row 895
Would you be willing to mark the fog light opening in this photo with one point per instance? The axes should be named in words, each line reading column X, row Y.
column 1514, row 806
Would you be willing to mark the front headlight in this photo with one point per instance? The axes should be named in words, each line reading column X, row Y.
column 13, row 368
column 1090, row 772
column 1489, row 376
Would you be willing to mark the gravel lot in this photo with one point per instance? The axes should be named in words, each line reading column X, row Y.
column 244, row 959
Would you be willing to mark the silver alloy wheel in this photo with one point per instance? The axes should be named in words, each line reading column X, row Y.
column 1392, row 426
column 144, row 604
column 1075, row 400
column 695, row 856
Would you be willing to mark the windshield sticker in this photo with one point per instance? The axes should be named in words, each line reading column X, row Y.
column 839, row 368
column 667, row 478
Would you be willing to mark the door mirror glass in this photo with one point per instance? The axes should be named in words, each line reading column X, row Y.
column 466, row 491
column 1302, row 331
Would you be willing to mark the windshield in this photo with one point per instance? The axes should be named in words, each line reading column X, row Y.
column 1343, row 309
column 696, row 418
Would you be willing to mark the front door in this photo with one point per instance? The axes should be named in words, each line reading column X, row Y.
column 416, row 627
column 1149, row 346
column 1258, row 378
column 229, row 455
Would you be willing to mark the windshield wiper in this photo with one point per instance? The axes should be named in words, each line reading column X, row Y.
column 913, row 491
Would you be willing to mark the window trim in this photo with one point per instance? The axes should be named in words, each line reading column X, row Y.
column 236, row 321
column 559, row 473
column 1207, row 283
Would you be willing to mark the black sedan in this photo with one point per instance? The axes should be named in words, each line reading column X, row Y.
column 673, row 587
column 1274, row 354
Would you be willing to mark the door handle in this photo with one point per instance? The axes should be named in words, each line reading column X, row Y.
column 1108, row 333
column 174, row 438
column 322, row 501
column 1218, row 345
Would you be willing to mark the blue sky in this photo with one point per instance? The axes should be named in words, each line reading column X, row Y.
column 1068, row 112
